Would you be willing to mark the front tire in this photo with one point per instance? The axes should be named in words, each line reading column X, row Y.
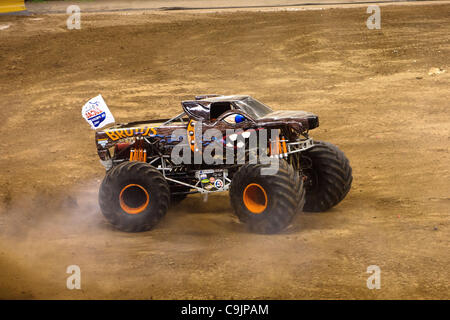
column 134, row 196
column 329, row 176
column 266, row 203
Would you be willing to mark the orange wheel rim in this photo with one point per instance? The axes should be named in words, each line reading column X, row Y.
column 135, row 189
column 255, row 198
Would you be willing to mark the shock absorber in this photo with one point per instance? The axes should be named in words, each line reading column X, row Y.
column 280, row 150
column 138, row 153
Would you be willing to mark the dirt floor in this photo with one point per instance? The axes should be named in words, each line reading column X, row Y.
column 375, row 99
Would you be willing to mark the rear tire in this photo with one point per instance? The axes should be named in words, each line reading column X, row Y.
column 266, row 203
column 329, row 176
column 134, row 196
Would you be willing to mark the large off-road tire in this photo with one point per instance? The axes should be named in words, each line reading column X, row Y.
column 134, row 196
column 266, row 203
column 329, row 176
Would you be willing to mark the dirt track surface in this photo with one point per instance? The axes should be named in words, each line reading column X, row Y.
column 375, row 99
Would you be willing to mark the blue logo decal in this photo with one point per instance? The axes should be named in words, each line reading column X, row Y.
column 96, row 120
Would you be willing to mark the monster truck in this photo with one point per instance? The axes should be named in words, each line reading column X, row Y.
column 143, row 177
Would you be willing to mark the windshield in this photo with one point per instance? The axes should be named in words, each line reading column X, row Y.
column 253, row 107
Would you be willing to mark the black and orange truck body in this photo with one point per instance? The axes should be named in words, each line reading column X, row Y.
column 143, row 178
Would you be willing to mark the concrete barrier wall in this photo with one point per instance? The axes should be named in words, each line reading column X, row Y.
column 12, row 6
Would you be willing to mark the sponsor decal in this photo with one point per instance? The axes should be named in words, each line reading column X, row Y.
column 102, row 142
column 218, row 184
column 116, row 134
column 207, row 171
